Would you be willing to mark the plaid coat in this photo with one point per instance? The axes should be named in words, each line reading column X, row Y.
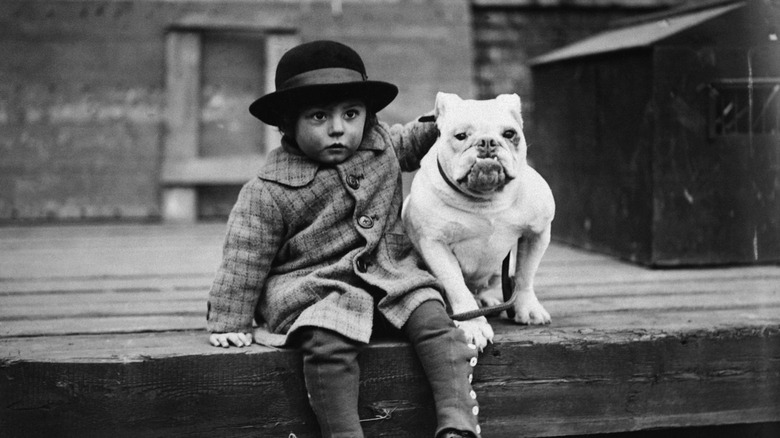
column 316, row 245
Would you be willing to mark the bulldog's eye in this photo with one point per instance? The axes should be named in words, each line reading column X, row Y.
column 461, row 136
column 509, row 134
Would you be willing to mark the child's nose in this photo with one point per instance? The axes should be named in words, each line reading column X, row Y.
column 336, row 127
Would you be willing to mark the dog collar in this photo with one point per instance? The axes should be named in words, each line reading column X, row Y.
column 452, row 184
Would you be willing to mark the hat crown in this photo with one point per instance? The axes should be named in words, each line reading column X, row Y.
column 317, row 55
column 320, row 71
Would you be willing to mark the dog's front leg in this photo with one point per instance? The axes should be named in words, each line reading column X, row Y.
column 530, row 249
column 445, row 267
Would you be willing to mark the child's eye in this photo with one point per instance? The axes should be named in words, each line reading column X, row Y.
column 318, row 116
column 351, row 114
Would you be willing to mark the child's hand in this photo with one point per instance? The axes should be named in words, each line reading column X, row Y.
column 225, row 339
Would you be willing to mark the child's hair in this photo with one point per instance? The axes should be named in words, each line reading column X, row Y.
column 290, row 113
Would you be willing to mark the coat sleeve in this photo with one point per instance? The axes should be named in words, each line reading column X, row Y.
column 254, row 235
column 412, row 141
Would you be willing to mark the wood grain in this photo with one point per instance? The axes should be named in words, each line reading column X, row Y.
column 102, row 333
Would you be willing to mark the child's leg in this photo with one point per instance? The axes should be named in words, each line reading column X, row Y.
column 448, row 362
column 330, row 367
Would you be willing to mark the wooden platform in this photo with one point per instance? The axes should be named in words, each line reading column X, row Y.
column 101, row 334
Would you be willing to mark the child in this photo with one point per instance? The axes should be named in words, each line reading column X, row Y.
column 315, row 246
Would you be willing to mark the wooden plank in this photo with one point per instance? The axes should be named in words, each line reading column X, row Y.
column 58, row 253
column 135, row 262
column 618, row 302
column 276, row 44
column 27, row 307
column 213, row 170
column 183, row 66
column 182, row 84
column 70, row 285
column 46, row 306
column 555, row 387
column 89, row 348
column 115, row 347
column 100, row 324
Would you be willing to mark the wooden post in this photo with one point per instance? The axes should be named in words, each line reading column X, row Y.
column 276, row 45
column 183, row 62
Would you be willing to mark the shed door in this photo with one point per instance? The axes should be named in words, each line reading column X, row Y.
column 718, row 155
column 745, row 116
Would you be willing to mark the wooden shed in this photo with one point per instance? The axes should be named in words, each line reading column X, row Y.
column 661, row 138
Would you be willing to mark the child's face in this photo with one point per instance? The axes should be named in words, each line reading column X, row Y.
column 331, row 133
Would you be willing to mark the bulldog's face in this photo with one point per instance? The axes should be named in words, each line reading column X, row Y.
column 481, row 145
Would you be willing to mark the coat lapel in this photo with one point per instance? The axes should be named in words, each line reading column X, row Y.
column 286, row 165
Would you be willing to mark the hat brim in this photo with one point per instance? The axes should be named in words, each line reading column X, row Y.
column 270, row 108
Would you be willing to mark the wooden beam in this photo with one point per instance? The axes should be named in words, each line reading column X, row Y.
column 580, row 3
column 183, row 62
column 102, row 333
column 212, row 170
column 276, row 45
column 547, row 383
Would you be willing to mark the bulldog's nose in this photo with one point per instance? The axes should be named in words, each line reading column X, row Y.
column 486, row 147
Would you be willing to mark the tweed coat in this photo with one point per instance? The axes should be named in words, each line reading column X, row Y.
column 319, row 245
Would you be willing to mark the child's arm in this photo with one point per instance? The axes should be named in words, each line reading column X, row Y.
column 412, row 141
column 254, row 235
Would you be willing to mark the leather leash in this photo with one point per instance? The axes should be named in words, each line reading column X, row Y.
column 507, row 287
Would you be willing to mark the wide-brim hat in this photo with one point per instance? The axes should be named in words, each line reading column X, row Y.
column 317, row 72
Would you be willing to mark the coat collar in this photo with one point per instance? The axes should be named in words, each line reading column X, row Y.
column 287, row 165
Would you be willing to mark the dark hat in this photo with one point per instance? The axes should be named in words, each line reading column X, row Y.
column 317, row 71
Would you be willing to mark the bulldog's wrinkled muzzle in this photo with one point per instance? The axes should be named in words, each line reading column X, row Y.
column 486, row 175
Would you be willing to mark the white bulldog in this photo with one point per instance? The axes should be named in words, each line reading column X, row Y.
column 473, row 201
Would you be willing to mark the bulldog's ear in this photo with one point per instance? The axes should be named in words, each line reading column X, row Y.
column 443, row 100
column 512, row 102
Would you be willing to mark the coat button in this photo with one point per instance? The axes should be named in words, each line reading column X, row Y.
column 365, row 222
column 361, row 265
column 353, row 182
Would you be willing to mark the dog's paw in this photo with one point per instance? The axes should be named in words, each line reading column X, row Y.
column 529, row 311
column 478, row 331
column 487, row 300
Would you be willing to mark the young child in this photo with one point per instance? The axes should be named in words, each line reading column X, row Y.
column 315, row 245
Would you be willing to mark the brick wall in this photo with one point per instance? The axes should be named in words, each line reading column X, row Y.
column 83, row 95
column 507, row 34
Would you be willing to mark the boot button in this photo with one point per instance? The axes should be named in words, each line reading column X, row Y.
column 353, row 182
column 365, row 222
